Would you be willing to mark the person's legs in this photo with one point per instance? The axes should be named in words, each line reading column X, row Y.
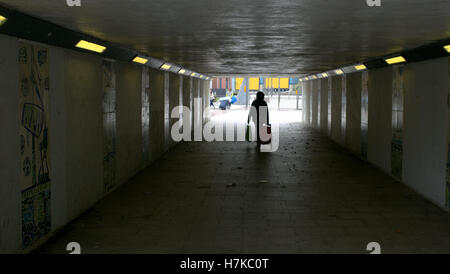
column 258, row 144
column 258, row 139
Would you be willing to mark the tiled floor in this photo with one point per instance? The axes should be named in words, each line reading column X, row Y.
column 308, row 197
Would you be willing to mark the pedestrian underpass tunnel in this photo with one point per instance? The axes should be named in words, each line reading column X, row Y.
column 95, row 153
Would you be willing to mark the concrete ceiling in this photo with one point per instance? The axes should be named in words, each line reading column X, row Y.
column 253, row 36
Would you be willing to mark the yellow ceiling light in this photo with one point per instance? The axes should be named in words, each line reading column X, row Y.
column 202, row 76
column 301, row 80
column 314, row 77
column 90, row 46
column 324, row 74
column 140, row 60
column 3, row 20
column 166, row 66
column 395, row 60
column 193, row 74
column 360, row 67
column 447, row 48
column 339, row 71
column 182, row 71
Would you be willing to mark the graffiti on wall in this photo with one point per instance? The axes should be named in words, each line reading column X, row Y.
column 109, row 126
column 397, row 123
column 145, row 116
column 364, row 113
column 34, row 87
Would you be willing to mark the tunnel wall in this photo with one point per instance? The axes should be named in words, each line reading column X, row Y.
column 58, row 134
column 10, row 197
column 343, row 139
column 307, row 95
column 166, row 89
column 425, row 136
column 174, row 100
column 129, row 121
column 83, row 131
column 95, row 134
column 206, row 109
column 187, row 99
column 304, row 105
column 336, row 108
column 397, row 119
column 353, row 129
column 319, row 104
column 314, row 103
column 380, row 118
column 156, row 114
column 145, row 116
column 324, row 105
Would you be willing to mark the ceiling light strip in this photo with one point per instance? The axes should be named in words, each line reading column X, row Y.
column 90, row 46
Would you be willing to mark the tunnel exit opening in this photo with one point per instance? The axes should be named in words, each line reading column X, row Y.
column 231, row 98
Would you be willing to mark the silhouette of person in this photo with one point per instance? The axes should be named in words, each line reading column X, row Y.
column 212, row 98
column 255, row 113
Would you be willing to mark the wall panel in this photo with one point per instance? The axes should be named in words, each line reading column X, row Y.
column 343, row 109
column 324, row 105
column 129, row 120
column 10, row 144
column 157, row 119
column 380, row 118
column 145, row 116
column 426, row 128
column 353, row 128
column 364, row 113
column 109, row 126
column 84, row 131
column 397, row 123
column 336, row 108
column 314, row 102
